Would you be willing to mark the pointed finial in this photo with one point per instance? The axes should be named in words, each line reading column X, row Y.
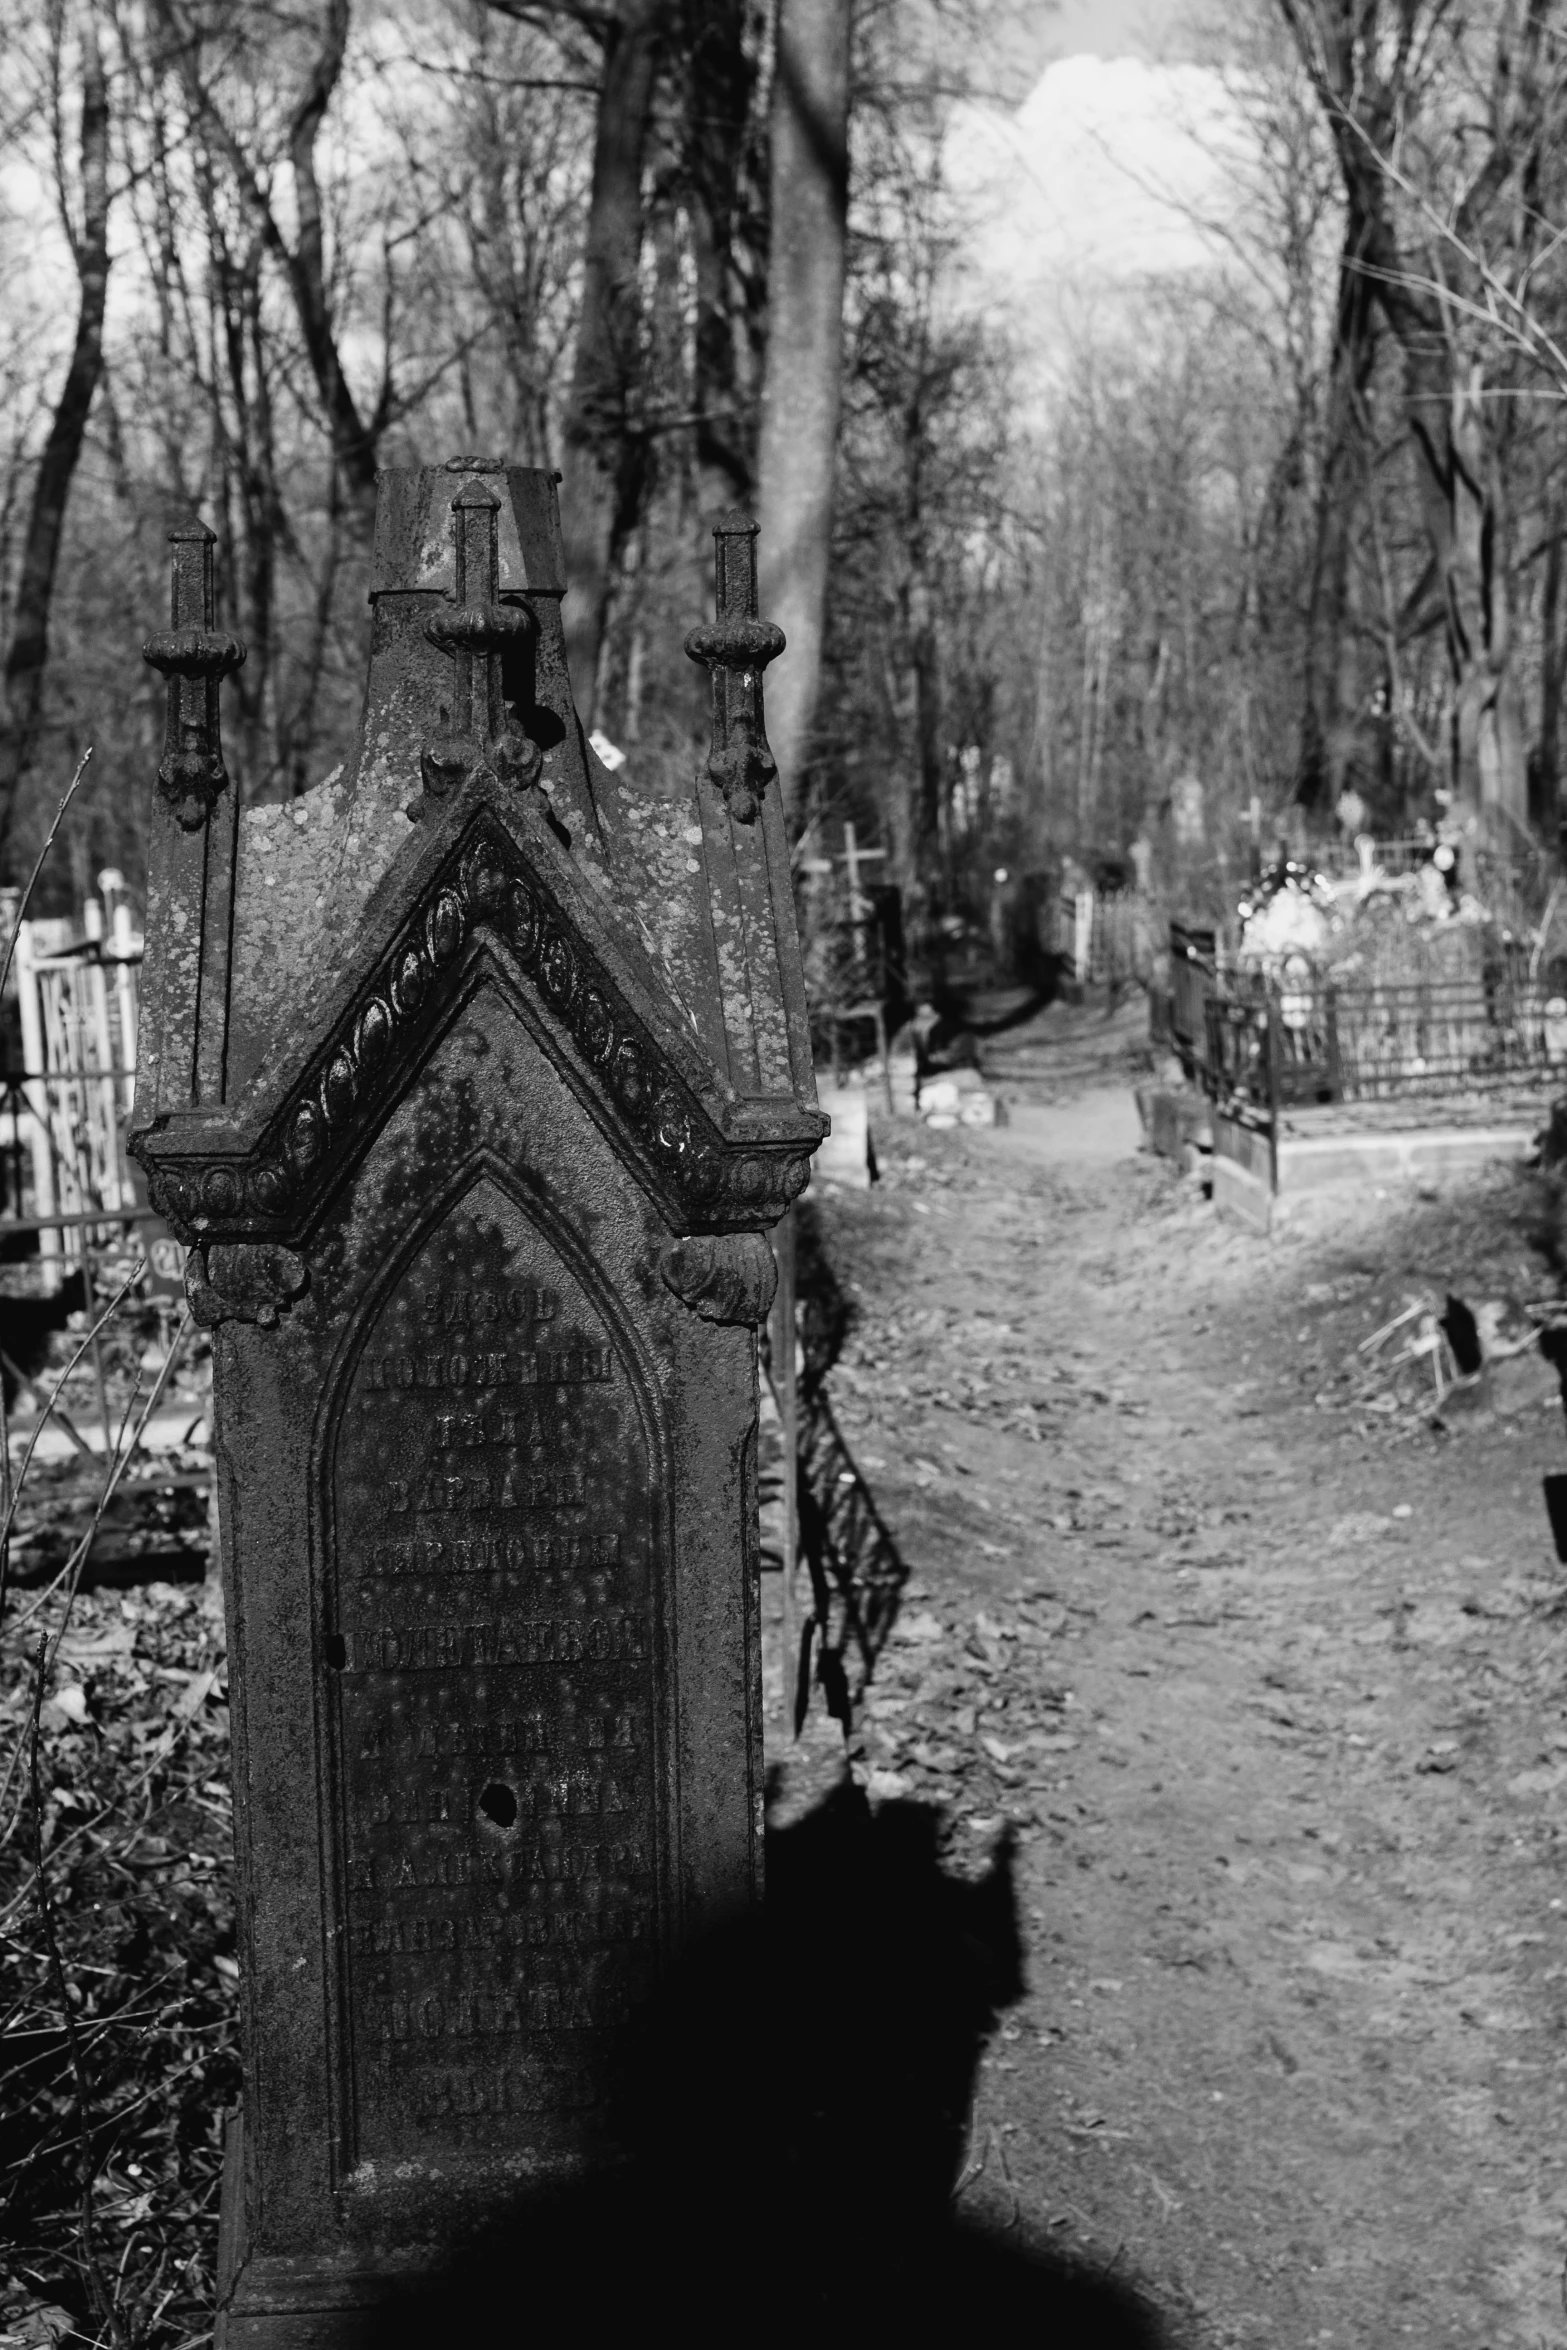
column 736, row 650
column 193, row 656
column 476, row 630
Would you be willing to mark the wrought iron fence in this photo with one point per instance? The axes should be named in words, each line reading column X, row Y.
column 1194, row 968
column 1102, row 934
column 1501, row 873
column 1287, row 1040
column 63, row 1165
column 67, row 1185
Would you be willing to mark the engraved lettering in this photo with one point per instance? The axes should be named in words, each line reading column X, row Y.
column 495, row 1547
column 456, row 2095
column 578, row 1365
column 509, row 1640
column 462, row 1309
column 556, row 1555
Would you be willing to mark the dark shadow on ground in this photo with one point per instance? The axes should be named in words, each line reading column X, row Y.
column 825, row 1313
column 793, row 2117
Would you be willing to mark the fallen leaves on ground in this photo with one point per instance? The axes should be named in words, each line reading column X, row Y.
column 135, row 1820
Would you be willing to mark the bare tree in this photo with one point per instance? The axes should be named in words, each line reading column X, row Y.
column 356, row 433
column 516, row 184
column 1410, row 88
column 802, row 386
column 603, row 432
column 729, row 261
column 87, row 230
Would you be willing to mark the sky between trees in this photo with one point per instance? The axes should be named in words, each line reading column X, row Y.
column 1199, row 423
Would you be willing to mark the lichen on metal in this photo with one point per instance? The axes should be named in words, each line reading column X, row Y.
column 736, row 649
column 193, row 656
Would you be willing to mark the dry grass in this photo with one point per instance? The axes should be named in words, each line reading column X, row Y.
column 116, row 1906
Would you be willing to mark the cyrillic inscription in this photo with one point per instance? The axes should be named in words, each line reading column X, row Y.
column 513, row 1640
column 494, row 1662
column 464, row 1309
column 485, row 2094
column 510, row 1488
column 542, row 1929
column 545, row 1555
column 529, row 1366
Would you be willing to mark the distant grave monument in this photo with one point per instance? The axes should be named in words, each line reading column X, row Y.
column 472, row 1080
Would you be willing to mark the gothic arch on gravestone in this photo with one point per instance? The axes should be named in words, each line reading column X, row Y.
column 486, row 891
column 483, row 1166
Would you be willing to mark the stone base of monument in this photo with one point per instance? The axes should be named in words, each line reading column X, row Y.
column 286, row 2304
column 1317, row 1157
column 809, row 2069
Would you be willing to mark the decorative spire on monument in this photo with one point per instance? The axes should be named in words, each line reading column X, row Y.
column 193, row 656
column 736, row 650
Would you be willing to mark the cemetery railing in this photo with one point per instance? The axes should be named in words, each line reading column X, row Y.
column 63, row 1164
column 1194, row 968
column 1285, row 1041
column 1102, row 934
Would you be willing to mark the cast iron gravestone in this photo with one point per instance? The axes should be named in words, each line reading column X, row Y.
column 472, row 1080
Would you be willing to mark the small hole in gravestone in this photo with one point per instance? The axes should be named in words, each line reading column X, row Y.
column 499, row 1804
column 335, row 1649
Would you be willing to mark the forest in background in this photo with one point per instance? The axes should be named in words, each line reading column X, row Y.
column 1277, row 548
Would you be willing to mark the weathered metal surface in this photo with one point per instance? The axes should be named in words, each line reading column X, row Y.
column 736, row 650
column 193, row 656
column 511, row 1073
column 723, row 1280
column 669, row 986
column 191, row 848
column 484, row 637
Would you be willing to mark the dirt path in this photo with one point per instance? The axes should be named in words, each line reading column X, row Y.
column 1281, row 1710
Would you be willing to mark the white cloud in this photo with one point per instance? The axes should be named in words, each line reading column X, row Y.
column 1090, row 187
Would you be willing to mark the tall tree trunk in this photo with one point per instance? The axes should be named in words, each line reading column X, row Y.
column 1331, row 663
column 925, row 662
column 28, row 652
column 604, row 447
column 1363, row 88
column 245, row 432
column 707, row 232
column 355, row 436
column 1490, row 761
column 720, row 77
column 1545, row 765
column 802, row 381
column 1461, row 497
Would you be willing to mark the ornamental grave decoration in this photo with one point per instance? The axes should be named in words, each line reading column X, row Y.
column 472, row 1080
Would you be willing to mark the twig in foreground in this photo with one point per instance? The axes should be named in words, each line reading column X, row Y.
column 70, row 1573
column 32, row 879
column 102, row 2298
column 20, row 1479
column 183, row 1721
